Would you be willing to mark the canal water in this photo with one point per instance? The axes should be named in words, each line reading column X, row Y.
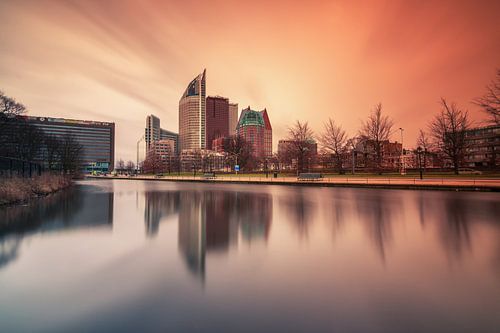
column 134, row 256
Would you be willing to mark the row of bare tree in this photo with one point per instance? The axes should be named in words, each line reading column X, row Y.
column 446, row 133
column 447, row 136
column 237, row 152
column 122, row 167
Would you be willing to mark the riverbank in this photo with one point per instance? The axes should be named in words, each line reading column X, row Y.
column 448, row 184
column 21, row 190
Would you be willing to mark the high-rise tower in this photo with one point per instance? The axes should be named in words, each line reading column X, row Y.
column 255, row 128
column 153, row 132
column 233, row 118
column 192, row 112
column 217, row 119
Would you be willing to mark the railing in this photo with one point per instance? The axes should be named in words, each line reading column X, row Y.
column 10, row 167
column 337, row 180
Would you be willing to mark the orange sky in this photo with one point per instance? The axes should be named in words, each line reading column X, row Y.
column 309, row 60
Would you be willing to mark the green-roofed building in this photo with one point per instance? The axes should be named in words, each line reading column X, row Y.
column 255, row 128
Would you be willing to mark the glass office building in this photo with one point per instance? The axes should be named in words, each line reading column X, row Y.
column 192, row 111
column 96, row 137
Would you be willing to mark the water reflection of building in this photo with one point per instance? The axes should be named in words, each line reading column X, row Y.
column 211, row 221
column 300, row 210
column 192, row 232
column 377, row 210
column 253, row 215
column 159, row 205
column 79, row 207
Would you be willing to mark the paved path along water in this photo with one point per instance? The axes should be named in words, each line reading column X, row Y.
column 380, row 182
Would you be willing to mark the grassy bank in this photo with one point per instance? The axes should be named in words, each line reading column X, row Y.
column 19, row 190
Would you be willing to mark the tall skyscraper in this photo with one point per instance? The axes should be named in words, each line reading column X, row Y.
column 154, row 132
column 255, row 128
column 217, row 119
column 192, row 111
column 233, row 118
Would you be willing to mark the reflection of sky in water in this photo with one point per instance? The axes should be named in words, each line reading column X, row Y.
column 148, row 256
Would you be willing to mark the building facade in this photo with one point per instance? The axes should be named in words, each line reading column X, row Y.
column 168, row 135
column 255, row 128
column 483, row 147
column 233, row 118
column 286, row 156
column 153, row 132
column 192, row 111
column 217, row 119
column 163, row 148
column 366, row 154
column 97, row 139
column 160, row 156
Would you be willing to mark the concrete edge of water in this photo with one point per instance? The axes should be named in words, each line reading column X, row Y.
column 426, row 187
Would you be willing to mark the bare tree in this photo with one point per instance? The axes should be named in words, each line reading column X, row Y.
column 449, row 130
column 238, row 151
column 301, row 138
column 333, row 140
column 425, row 143
column 52, row 147
column 9, row 106
column 70, row 154
column 376, row 130
column 28, row 141
column 284, row 157
column 130, row 167
column 120, row 165
column 153, row 163
column 490, row 102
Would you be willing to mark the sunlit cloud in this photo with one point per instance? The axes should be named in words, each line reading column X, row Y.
column 121, row 60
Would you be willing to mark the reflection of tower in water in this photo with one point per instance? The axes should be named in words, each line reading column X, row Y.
column 157, row 206
column 192, row 232
column 253, row 214
column 210, row 221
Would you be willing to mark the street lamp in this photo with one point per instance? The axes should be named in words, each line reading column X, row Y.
column 419, row 157
column 353, row 156
column 402, row 167
column 137, row 165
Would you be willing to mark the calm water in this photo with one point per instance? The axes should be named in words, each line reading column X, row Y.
column 131, row 256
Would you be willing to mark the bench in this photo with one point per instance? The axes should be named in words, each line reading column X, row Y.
column 209, row 175
column 310, row 176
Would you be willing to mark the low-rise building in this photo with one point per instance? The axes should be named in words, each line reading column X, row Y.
column 483, row 147
column 366, row 154
column 286, row 156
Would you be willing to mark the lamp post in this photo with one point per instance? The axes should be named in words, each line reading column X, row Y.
column 419, row 156
column 353, row 155
column 137, row 165
column 402, row 167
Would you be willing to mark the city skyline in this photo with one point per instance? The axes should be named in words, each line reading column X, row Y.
column 121, row 62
